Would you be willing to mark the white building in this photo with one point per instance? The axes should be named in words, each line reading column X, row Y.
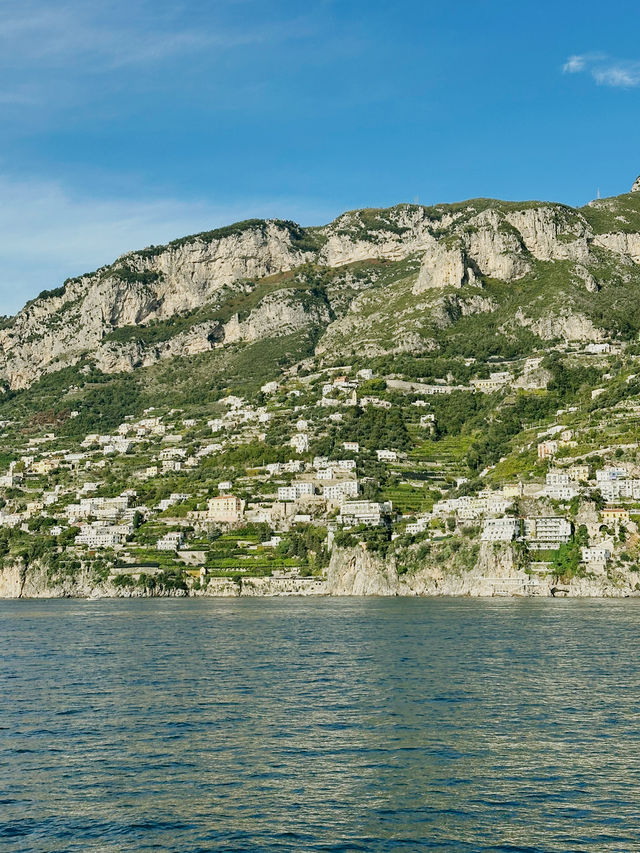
column 295, row 491
column 500, row 529
column 610, row 473
column 560, row 492
column 557, row 478
column 338, row 491
column 300, row 442
column 370, row 513
column 612, row 490
column 549, row 531
column 170, row 541
column 386, row 455
column 324, row 474
column 596, row 554
column 102, row 536
column 421, row 524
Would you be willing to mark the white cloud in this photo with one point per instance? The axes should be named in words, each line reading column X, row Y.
column 618, row 75
column 605, row 70
column 49, row 234
column 105, row 36
column 574, row 64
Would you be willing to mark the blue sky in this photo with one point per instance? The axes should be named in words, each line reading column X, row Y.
column 129, row 123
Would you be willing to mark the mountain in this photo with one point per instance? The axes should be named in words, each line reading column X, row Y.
column 467, row 371
column 379, row 281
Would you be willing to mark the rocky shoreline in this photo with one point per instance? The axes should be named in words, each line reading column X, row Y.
column 351, row 572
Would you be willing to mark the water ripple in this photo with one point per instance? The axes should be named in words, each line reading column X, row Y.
column 337, row 726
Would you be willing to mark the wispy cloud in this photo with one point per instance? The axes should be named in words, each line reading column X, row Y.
column 50, row 233
column 116, row 33
column 104, row 36
column 59, row 56
column 627, row 76
column 605, row 70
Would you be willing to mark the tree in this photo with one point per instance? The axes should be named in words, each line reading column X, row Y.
column 567, row 560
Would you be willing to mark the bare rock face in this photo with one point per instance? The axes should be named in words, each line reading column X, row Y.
column 587, row 278
column 440, row 267
column 496, row 251
column 636, row 185
column 621, row 243
column 113, row 357
column 549, row 235
column 439, row 250
column 276, row 315
column 58, row 330
column 357, row 572
column 570, row 327
column 351, row 238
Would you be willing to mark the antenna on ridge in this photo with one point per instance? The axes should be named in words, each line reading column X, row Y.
column 598, row 195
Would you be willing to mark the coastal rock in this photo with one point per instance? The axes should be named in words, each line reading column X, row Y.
column 358, row 572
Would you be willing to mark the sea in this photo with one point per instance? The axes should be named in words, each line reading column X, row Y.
column 353, row 724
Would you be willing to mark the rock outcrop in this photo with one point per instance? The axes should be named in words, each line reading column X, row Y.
column 498, row 569
column 445, row 248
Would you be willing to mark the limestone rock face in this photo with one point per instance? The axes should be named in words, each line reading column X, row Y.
column 571, row 327
column 58, row 330
column 348, row 238
column 440, row 267
column 549, row 236
column 276, row 315
column 358, row 572
column 587, row 278
column 497, row 252
column 497, row 571
column 621, row 243
column 444, row 253
column 636, row 185
column 113, row 357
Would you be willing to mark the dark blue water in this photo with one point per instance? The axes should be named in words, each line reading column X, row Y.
column 320, row 725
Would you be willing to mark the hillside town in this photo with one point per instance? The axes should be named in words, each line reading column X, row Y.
column 249, row 491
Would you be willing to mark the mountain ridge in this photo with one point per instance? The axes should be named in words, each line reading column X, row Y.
column 459, row 247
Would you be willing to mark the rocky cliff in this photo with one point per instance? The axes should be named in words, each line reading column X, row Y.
column 409, row 263
column 496, row 570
